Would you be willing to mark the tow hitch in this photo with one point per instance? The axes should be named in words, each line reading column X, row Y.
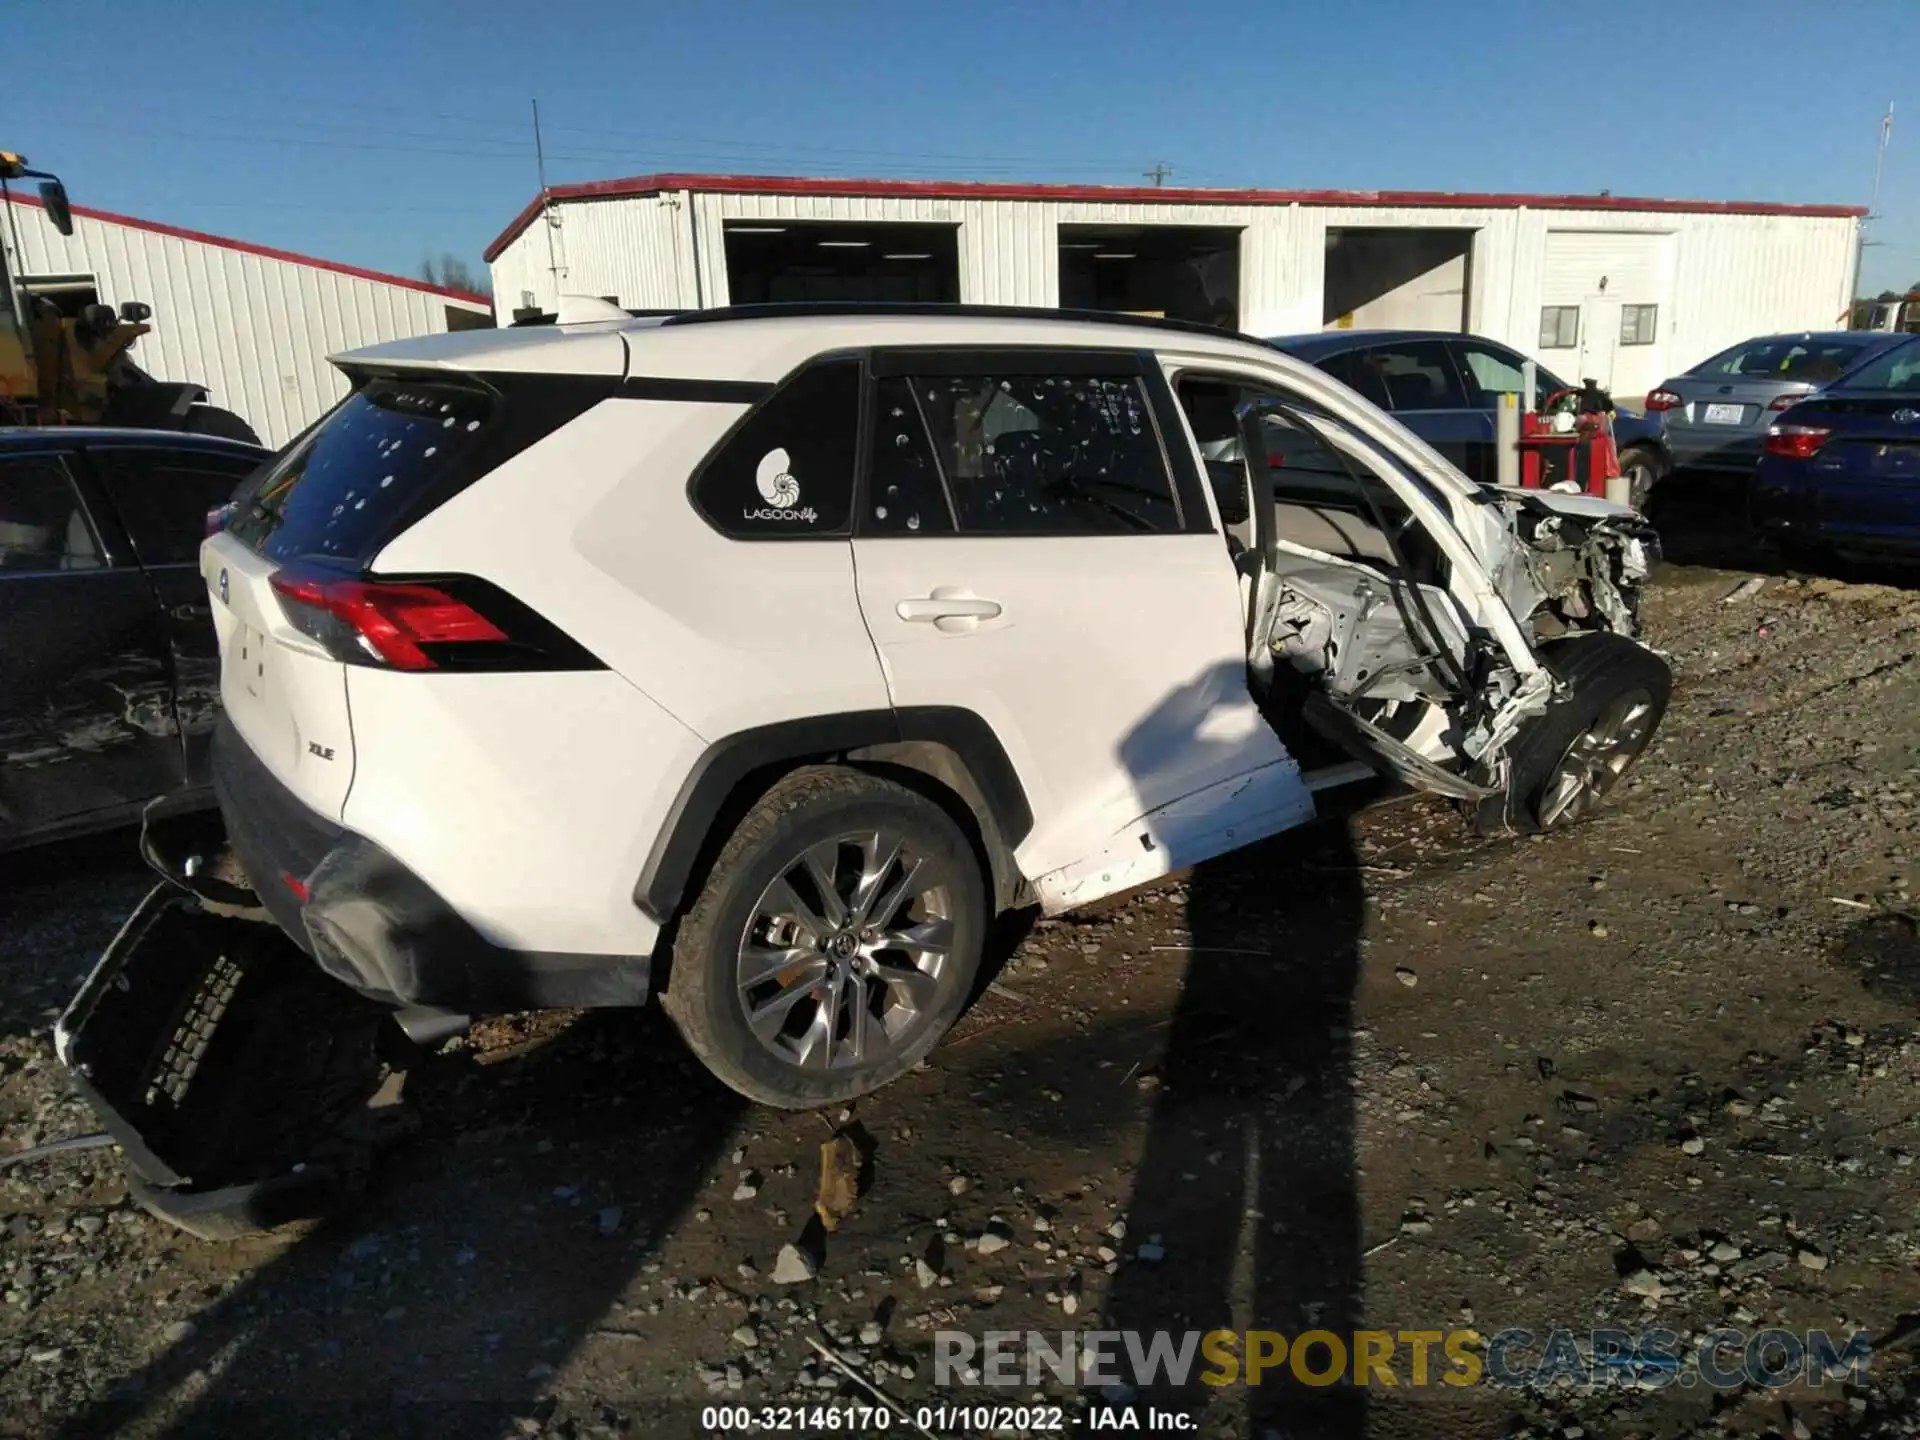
column 244, row 1087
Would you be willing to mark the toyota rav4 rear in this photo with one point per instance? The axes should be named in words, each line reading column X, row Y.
column 373, row 712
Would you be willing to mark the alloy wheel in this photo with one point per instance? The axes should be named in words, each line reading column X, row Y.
column 844, row 955
column 1597, row 759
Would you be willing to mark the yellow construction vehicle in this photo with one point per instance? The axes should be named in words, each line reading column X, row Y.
column 63, row 355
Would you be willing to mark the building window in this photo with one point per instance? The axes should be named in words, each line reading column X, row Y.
column 1637, row 324
column 1559, row 327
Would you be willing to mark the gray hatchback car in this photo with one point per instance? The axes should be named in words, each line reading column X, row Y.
column 1717, row 413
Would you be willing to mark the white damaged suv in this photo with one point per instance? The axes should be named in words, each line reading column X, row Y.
column 758, row 657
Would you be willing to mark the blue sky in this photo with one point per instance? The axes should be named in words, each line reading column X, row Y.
column 376, row 134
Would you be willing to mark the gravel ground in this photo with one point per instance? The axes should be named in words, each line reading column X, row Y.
column 1659, row 1070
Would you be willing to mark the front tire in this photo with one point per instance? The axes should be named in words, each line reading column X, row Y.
column 834, row 942
column 1565, row 762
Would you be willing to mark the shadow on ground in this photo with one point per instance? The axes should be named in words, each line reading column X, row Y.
column 489, row 1251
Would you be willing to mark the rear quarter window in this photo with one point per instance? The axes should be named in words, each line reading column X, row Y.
column 785, row 471
column 1897, row 369
column 379, row 457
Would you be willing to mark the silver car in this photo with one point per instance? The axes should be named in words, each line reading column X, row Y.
column 1717, row 413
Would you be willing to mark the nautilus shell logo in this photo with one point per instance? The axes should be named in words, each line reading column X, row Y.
column 775, row 481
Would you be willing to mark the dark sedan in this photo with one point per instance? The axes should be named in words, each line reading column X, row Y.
column 109, row 674
column 1841, row 470
column 1445, row 388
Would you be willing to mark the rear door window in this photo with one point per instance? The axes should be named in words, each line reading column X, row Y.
column 163, row 497
column 385, row 453
column 906, row 493
column 1039, row 454
column 43, row 525
column 1491, row 372
column 1401, row 376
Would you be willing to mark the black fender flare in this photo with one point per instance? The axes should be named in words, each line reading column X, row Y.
column 998, row 800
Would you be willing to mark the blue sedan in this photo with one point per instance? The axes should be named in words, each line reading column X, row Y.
column 1445, row 388
column 1841, row 470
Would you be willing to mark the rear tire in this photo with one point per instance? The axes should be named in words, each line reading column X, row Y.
column 1641, row 466
column 833, row 943
column 1563, row 764
column 222, row 424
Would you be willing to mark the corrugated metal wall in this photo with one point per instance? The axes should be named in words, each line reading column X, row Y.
column 631, row 247
column 255, row 330
column 1732, row 275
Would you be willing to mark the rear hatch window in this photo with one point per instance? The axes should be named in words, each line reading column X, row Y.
column 1898, row 370
column 390, row 452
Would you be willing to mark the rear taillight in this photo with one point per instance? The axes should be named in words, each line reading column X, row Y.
column 217, row 518
column 1658, row 400
column 1784, row 402
column 418, row 625
column 1796, row 442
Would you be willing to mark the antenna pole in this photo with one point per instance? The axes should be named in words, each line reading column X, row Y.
column 546, row 203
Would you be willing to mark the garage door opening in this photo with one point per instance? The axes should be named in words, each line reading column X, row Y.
column 1397, row 279
column 808, row 260
column 1177, row 272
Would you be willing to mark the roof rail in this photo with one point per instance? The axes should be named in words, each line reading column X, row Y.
column 855, row 309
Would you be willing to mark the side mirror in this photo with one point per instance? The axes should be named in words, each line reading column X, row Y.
column 53, row 195
column 136, row 312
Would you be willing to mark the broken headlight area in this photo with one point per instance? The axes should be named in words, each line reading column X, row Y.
column 1576, row 572
column 244, row 1088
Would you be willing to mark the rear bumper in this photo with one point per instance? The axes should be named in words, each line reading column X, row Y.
column 375, row 926
column 242, row 1091
column 1738, row 451
column 1784, row 505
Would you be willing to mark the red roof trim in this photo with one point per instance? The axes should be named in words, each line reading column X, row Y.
column 1137, row 194
column 203, row 238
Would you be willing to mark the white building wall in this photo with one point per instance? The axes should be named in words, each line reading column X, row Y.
column 1733, row 276
column 1730, row 275
column 254, row 329
column 629, row 247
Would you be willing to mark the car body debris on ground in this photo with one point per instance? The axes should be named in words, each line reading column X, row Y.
column 1657, row 1071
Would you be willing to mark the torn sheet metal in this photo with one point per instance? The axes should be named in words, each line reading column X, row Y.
column 1582, row 564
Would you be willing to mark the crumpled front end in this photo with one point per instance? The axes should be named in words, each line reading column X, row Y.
column 1577, row 569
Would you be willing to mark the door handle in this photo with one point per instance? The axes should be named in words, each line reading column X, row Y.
column 948, row 609
column 193, row 612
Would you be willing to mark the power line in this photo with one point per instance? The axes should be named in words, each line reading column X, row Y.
column 490, row 148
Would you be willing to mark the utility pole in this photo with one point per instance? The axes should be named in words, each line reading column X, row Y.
column 546, row 204
column 1873, row 204
column 1158, row 174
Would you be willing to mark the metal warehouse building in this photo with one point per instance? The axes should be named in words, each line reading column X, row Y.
column 251, row 324
column 1626, row 291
